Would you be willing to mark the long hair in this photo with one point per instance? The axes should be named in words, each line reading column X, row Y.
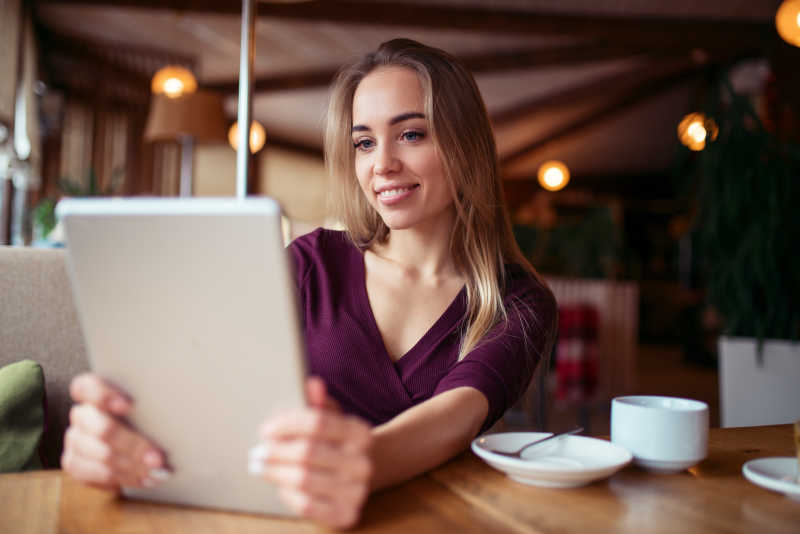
column 482, row 242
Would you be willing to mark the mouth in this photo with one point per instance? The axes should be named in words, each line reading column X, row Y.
column 391, row 192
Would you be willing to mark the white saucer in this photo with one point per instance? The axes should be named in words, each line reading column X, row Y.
column 778, row 474
column 567, row 462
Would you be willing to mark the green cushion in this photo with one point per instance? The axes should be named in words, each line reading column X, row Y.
column 21, row 415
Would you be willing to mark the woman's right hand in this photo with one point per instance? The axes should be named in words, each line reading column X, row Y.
column 101, row 450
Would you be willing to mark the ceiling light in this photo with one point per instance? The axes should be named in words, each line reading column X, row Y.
column 173, row 81
column 787, row 21
column 258, row 136
column 696, row 129
column 553, row 175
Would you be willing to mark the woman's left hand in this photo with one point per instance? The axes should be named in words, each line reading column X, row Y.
column 319, row 459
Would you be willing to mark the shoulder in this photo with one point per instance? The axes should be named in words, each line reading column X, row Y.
column 320, row 239
column 321, row 243
column 528, row 294
column 320, row 249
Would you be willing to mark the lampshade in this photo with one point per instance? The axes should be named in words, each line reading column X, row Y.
column 787, row 21
column 553, row 175
column 173, row 81
column 199, row 115
column 258, row 136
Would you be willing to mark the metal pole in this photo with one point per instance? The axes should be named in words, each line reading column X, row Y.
column 187, row 165
column 19, row 209
column 245, row 115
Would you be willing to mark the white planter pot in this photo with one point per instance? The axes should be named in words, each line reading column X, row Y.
column 753, row 394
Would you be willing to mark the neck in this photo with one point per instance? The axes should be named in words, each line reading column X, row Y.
column 423, row 250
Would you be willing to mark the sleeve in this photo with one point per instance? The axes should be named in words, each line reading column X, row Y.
column 502, row 365
column 302, row 252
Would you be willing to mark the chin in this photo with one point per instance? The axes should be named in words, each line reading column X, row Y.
column 398, row 222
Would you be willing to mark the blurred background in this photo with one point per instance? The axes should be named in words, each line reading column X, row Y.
column 649, row 152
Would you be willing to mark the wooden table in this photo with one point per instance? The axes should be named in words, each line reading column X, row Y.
column 464, row 495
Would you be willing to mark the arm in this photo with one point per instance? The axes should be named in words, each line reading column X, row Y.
column 426, row 435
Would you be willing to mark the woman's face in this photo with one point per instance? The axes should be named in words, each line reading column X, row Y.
column 396, row 161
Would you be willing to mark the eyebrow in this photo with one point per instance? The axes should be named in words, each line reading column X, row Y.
column 394, row 120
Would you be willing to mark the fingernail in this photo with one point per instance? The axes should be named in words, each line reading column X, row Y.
column 255, row 467
column 259, row 452
column 155, row 477
column 159, row 475
column 152, row 459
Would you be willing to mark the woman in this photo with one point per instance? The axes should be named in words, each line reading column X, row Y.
column 423, row 321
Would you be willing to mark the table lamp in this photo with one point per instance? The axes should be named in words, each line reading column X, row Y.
column 193, row 117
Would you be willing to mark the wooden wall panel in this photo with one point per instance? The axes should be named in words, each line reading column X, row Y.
column 9, row 51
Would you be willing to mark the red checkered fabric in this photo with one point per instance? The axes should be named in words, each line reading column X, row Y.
column 576, row 352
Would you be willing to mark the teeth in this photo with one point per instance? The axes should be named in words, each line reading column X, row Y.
column 394, row 192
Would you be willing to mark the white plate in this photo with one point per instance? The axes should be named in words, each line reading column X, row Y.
column 567, row 462
column 778, row 474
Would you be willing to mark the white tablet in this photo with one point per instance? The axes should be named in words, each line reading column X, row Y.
column 189, row 305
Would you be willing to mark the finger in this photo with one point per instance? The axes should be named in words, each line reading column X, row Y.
column 317, row 394
column 311, row 481
column 342, row 463
column 125, row 470
column 319, row 424
column 123, row 441
column 89, row 388
column 322, row 510
column 335, row 485
column 115, row 473
column 88, row 471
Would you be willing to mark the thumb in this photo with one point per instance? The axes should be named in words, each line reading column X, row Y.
column 91, row 389
column 317, row 395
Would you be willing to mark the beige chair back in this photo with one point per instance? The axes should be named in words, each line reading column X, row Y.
column 38, row 321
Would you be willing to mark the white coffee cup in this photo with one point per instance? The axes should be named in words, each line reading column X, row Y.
column 664, row 434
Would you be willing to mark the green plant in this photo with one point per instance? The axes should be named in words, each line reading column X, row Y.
column 748, row 221
column 44, row 214
column 588, row 246
column 92, row 187
column 44, row 218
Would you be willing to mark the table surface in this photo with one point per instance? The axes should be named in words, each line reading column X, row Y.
column 464, row 495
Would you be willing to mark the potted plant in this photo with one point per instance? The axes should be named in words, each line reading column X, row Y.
column 44, row 214
column 748, row 223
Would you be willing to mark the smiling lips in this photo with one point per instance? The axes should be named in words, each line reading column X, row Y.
column 393, row 194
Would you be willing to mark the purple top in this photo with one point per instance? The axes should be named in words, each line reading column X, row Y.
column 346, row 350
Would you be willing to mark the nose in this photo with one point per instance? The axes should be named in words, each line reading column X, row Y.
column 386, row 161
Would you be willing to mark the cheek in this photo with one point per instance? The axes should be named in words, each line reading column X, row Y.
column 362, row 175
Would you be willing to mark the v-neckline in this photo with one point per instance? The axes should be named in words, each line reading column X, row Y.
column 449, row 317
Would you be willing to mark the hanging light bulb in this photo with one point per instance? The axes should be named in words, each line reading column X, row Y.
column 258, row 136
column 787, row 21
column 173, row 81
column 695, row 130
column 553, row 175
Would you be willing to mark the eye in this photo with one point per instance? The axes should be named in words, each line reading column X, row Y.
column 363, row 144
column 413, row 135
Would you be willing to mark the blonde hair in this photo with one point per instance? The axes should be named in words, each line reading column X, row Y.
column 482, row 242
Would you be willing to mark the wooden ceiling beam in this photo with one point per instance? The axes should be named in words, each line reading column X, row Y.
column 105, row 50
column 658, row 31
column 661, row 79
column 590, row 90
column 485, row 62
column 609, row 27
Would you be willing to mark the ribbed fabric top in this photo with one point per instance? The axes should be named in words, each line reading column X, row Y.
column 345, row 347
